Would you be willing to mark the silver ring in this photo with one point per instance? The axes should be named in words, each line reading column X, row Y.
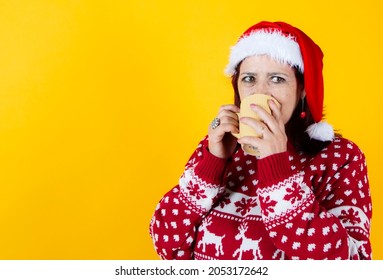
column 215, row 123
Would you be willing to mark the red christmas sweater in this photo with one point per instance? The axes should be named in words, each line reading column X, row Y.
column 285, row 206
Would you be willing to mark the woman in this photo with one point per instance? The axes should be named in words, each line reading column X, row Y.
column 305, row 196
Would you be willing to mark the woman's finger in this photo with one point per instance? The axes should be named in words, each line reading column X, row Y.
column 259, row 127
column 267, row 118
column 229, row 107
column 277, row 113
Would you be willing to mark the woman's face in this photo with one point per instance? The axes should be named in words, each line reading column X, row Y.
column 262, row 74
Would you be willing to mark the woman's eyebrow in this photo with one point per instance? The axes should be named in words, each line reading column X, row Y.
column 248, row 73
column 277, row 73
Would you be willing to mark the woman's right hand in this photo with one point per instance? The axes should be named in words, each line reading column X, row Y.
column 222, row 143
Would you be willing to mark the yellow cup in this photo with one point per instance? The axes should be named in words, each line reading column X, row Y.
column 246, row 111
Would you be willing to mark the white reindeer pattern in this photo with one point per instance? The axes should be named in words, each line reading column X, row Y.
column 247, row 244
column 210, row 238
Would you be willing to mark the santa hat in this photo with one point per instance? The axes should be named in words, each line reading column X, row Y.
column 288, row 44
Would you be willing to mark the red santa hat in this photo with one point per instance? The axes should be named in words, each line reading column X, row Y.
column 288, row 44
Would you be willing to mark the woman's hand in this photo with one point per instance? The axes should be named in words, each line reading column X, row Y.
column 222, row 143
column 273, row 138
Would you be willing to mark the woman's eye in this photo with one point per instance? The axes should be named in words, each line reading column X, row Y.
column 277, row 79
column 248, row 79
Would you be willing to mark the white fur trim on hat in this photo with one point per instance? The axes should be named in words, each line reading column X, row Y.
column 280, row 47
column 321, row 131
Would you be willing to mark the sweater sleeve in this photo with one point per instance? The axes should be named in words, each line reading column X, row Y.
column 178, row 214
column 323, row 212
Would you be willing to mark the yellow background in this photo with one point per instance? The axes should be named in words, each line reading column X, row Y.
column 102, row 103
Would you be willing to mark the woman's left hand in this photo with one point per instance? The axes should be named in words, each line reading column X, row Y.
column 273, row 138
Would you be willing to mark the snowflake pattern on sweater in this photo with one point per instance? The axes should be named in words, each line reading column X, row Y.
column 285, row 206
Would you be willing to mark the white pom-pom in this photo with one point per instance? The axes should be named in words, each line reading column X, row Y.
column 321, row 131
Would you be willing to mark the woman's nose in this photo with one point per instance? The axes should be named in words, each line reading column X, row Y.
column 263, row 88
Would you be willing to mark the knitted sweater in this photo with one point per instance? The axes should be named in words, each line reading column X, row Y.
column 285, row 206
